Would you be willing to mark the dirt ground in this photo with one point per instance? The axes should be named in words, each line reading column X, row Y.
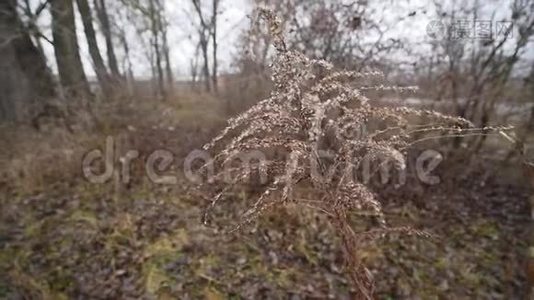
column 80, row 242
column 71, row 239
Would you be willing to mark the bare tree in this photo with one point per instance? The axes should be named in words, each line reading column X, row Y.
column 349, row 34
column 215, row 6
column 32, row 27
column 148, row 17
column 25, row 80
column 103, row 17
column 127, row 62
column 166, row 49
column 156, row 32
column 204, row 35
column 70, row 68
column 475, row 74
column 194, row 67
column 207, row 34
column 98, row 62
column 168, row 64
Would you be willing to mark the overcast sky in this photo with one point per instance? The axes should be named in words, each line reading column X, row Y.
column 233, row 20
column 181, row 35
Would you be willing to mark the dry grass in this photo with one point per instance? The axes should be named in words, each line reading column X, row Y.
column 314, row 110
column 32, row 160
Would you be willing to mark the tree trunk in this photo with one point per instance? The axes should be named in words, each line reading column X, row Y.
column 155, row 28
column 25, row 80
column 214, row 42
column 69, row 64
column 163, row 29
column 194, row 68
column 206, row 68
column 98, row 62
column 127, row 62
column 102, row 13
column 168, row 66
column 32, row 28
column 204, row 35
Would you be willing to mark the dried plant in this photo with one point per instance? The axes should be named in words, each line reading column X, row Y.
column 315, row 110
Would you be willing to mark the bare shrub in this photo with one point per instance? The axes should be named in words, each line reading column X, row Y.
column 314, row 110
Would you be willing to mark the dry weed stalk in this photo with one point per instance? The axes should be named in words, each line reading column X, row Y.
column 313, row 109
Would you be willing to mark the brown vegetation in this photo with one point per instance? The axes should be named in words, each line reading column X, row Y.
column 307, row 235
